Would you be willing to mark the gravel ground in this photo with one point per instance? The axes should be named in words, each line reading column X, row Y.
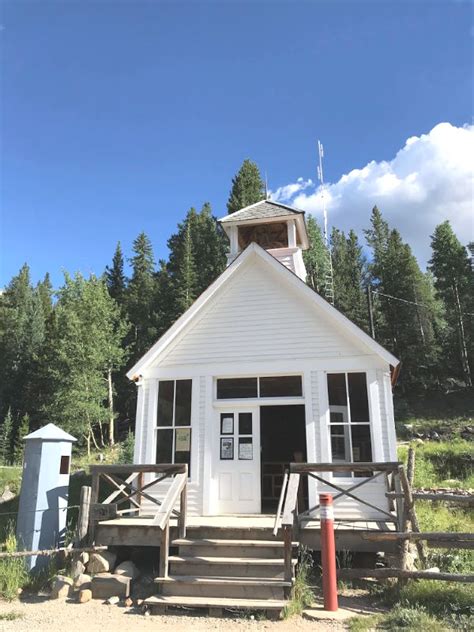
column 45, row 615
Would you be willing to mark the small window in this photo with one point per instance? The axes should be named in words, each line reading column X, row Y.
column 237, row 388
column 173, row 439
column 286, row 386
column 64, row 465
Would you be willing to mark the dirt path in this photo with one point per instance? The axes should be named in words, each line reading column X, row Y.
column 44, row 615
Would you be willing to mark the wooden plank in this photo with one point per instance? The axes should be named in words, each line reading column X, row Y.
column 163, row 514
column 291, row 499
column 183, row 507
column 460, row 499
column 128, row 469
column 120, row 489
column 164, row 550
column 303, row 468
column 379, row 573
column 447, row 538
column 224, row 602
column 83, row 518
column 288, row 552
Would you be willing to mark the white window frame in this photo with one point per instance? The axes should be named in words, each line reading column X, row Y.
column 173, row 427
column 287, row 399
column 346, row 411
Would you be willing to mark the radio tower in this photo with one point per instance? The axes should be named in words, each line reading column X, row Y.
column 328, row 274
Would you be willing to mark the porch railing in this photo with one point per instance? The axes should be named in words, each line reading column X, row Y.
column 289, row 516
column 128, row 488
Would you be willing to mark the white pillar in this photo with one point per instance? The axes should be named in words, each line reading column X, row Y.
column 291, row 233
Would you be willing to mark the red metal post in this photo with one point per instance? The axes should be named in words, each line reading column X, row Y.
column 328, row 553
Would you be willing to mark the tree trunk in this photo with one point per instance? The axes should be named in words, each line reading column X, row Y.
column 88, row 439
column 111, row 408
column 462, row 338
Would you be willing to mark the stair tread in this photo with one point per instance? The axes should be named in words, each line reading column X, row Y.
column 213, row 579
column 218, row 602
column 223, row 542
column 199, row 559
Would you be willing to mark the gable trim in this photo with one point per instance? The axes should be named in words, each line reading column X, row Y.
column 253, row 249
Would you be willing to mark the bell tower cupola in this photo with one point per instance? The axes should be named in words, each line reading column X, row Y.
column 279, row 229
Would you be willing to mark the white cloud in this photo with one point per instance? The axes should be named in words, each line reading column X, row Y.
column 428, row 181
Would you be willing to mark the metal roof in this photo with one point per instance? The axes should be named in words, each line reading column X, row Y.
column 50, row 432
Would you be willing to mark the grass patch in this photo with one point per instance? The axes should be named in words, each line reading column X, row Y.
column 11, row 616
column 301, row 592
column 13, row 571
column 443, row 464
column 400, row 618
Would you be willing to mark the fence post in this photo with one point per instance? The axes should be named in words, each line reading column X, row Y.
column 164, row 550
column 94, row 500
column 328, row 553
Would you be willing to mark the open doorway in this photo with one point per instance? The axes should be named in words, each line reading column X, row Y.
column 283, row 441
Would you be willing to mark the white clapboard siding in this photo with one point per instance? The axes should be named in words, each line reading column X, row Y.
column 256, row 318
column 159, row 491
column 346, row 508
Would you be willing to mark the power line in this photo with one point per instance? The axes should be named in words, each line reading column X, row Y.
column 404, row 300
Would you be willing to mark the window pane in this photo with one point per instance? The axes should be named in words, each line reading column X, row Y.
column 336, row 418
column 245, row 423
column 361, row 447
column 183, row 441
column 337, row 389
column 164, row 446
column 240, row 387
column 183, row 403
column 165, row 403
column 340, row 445
column 361, row 444
column 285, row 386
column 359, row 402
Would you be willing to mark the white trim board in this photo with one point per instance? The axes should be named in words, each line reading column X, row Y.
column 256, row 253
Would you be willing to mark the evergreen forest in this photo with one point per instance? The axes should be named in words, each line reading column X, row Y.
column 64, row 351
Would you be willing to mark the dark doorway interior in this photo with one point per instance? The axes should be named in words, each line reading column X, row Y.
column 283, row 440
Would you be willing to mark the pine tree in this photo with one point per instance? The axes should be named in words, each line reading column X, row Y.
column 141, row 297
column 22, row 332
column 407, row 313
column 182, row 266
column 115, row 276
column 45, row 292
column 6, row 439
column 247, row 187
column 210, row 247
column 454, row 283
column 349, row 272
column 20, row 433
column 316, row 258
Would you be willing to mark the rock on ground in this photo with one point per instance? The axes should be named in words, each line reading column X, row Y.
column 101, row 562
column 61, row 587
column 128, row 569
column 85, row 595
column 83, row 581
column 108, row 585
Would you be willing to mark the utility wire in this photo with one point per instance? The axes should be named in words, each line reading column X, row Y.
column 404, row 300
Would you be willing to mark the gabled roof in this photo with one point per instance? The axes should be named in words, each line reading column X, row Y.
column 254, row 250
column 261, row 210
column 50, row 432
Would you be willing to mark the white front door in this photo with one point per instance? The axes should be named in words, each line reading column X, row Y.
column 237, row 461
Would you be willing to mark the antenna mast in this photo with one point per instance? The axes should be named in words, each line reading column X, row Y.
column 328, row 273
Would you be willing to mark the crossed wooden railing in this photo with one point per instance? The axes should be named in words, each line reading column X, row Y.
column 289, row 517
column 128, row 484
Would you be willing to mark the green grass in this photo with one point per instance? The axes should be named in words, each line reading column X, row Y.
column 13, row 571
column 301, row 592
column 442, row 464
column 11, row 616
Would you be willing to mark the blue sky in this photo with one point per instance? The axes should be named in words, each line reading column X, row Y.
column 119, row 116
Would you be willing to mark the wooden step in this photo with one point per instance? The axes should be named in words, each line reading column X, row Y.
column 229, row 548
column 206, row 566
column 161, row 602
column 228, row 587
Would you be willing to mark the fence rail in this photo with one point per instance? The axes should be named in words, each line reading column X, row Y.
column 128, row 484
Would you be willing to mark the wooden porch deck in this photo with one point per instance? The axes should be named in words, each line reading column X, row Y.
column 140, row 531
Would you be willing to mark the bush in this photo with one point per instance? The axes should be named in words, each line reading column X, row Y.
column 439, row 598
column 13, row 571
column 126, row 448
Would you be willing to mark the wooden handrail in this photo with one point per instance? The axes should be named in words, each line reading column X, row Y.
column 171, row 468
column 304, row 468
column 163, row 514
column 277, row 522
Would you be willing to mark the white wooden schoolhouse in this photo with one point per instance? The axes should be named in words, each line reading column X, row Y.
column 261, row 372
